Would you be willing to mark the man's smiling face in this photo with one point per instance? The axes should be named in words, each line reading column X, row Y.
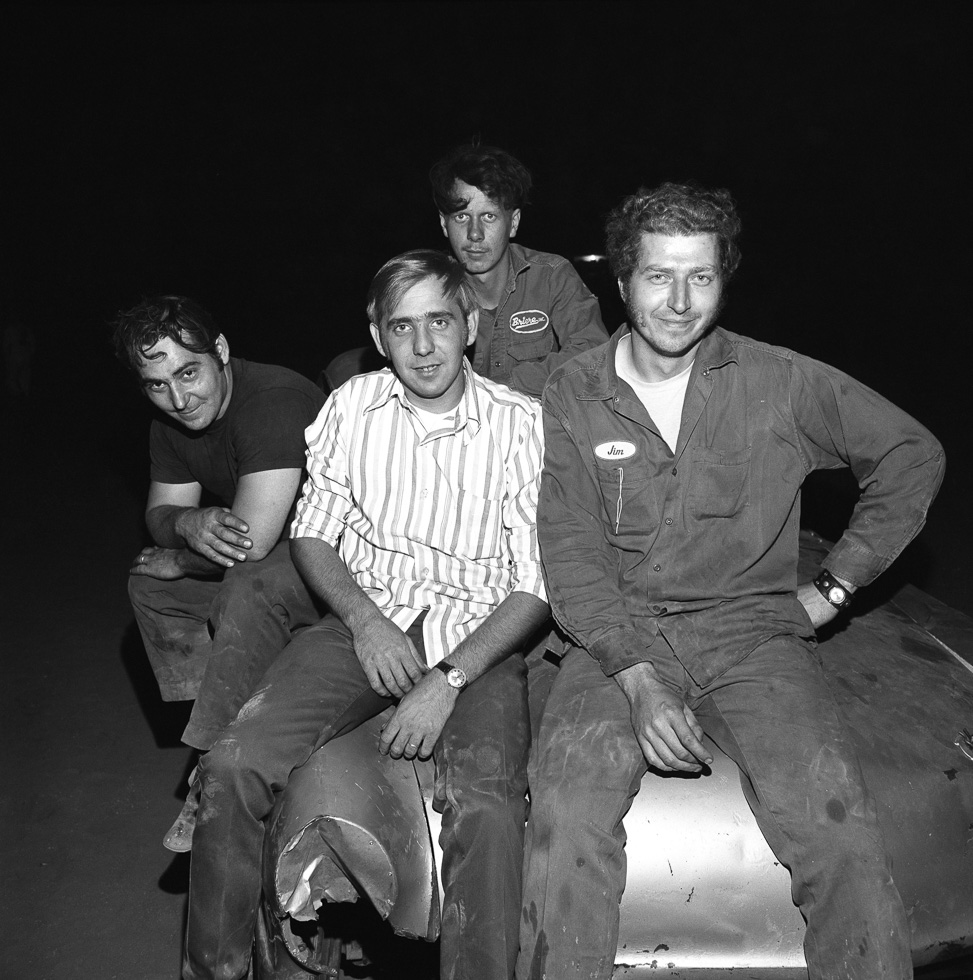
column 191, row 388
column 424, row 337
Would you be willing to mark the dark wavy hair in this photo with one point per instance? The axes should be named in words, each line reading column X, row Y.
column 672, row 209
column 502, row 177
column 400, row 274
column 176, row 317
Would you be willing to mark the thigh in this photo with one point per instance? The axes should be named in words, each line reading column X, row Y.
column 486, row 739
column 586, row 757
column 314, row 691
column 776, row 717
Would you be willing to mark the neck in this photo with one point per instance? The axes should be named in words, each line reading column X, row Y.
column 490, row 286
column 652, row 366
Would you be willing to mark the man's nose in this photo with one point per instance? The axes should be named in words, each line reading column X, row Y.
column 177, row 396
column 679, row 296
column 475, row 231
column 422, row 342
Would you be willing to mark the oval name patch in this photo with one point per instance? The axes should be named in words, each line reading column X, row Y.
column 529, row 321
column 615, row 450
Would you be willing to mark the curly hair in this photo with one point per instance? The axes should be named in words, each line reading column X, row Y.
column 502, row 177
column 672, row 209
column 176, row 317
column 400, row 274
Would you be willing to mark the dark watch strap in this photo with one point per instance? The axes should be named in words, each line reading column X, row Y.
column 832, row 590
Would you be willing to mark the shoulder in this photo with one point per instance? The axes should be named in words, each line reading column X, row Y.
column 270, row 380
column 493, row 396
column 588, row 367
column 541, row 260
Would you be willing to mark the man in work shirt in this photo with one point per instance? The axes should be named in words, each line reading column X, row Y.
column 668, row 523
column 535, row 312
column 417, row 528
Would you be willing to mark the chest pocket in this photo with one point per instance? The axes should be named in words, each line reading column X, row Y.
column 626, row 496
column 720, row 485
column 530, row 347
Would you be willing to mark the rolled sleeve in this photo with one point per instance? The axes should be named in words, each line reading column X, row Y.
column 326, row 498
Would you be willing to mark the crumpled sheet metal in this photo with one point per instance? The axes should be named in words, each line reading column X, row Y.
column 352, row 822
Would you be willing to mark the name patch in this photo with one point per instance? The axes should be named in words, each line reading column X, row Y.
column 615, row 450
column 529, row 321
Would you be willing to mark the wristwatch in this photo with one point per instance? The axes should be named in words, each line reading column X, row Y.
column 455, row 676
column 832, row 590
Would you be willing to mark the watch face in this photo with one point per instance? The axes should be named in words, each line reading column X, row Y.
column 456, row 677
column 836, row 594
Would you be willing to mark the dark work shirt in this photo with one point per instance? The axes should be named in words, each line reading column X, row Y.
column 700, row 545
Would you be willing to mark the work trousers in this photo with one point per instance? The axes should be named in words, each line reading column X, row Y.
column 774, row 715
column 315, row 691
column 212, row 639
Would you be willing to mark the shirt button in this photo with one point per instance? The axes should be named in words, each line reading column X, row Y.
column 425, row 493
column 668, row 520
column 425, row 573
column 657, row 568
column 673, row 471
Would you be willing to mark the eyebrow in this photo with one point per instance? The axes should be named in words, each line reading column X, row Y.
column 150, row 379
column 667, row 268
column 428, row 315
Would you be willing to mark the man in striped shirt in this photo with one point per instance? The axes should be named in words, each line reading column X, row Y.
column 417, row 528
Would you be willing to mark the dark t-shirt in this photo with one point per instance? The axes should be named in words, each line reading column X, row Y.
column 262, row 429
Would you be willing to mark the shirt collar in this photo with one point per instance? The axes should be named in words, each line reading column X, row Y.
column 601, row 379
column 467, row 412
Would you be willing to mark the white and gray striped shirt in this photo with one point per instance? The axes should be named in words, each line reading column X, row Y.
column 443, row 520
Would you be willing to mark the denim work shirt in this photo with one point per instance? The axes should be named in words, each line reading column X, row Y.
column 701, row 544
column 546, row 316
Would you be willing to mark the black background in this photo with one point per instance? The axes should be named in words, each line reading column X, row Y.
column 266, row 159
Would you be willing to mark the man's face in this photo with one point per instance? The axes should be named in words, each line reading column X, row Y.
column 191, row 388
column 673, row 296
column 424, row 337
column 480, row 232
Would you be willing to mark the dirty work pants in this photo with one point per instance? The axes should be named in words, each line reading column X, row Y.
column 313, row 692
column 775, row 717
column 212, row 639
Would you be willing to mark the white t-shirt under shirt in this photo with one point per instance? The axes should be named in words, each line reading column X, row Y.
column 662, row 399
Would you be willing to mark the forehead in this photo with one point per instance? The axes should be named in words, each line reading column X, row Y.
column 424, row 297
column 678, row 251
column 173, row 357
column 475, row 199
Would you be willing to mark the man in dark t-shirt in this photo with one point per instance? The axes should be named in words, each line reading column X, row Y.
column 216, row 596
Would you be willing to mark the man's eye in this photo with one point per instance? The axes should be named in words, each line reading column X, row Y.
column 399, row 328
column 189, row 374
column 489, row 216
column 439, row 323
column 657, row 278
column 703, row 280
column 155, row 386
column 459, row 218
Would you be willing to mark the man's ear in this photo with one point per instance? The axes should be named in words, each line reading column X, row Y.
column 222, row 349
column 472, row 322
column 443, row 218
column 621, row 290
column 514, row 222
column 377, row 337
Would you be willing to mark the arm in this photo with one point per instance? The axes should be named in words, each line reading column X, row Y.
column 388, row 657
column 897, row 463
column 576, row 322
column 197, row 540
column 419, row 719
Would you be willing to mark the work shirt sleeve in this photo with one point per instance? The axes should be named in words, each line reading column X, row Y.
column 576, row 322
column 897, row 463
column 580, row 567
column 520, row 509
column 326, row 498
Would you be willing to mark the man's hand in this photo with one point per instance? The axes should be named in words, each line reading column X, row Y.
column 215, row 533
column 388, row 657
column 418, row 721
column 158, row 563
column 667, row 730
